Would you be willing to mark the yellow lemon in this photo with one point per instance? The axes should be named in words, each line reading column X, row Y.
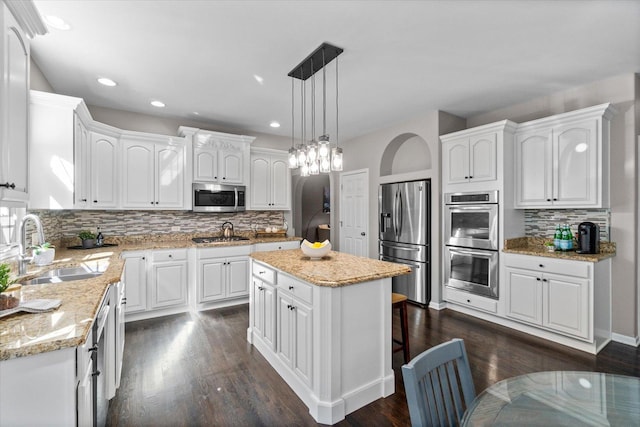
column 317, row 245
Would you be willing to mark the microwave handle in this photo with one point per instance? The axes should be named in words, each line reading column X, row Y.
column 235, row 198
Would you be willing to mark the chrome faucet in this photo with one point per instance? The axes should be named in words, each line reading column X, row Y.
column 22, row 257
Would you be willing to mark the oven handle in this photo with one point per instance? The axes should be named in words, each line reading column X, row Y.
column 462, row 208
column 483, row 254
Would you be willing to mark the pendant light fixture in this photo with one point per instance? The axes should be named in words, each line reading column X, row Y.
column 314, row 157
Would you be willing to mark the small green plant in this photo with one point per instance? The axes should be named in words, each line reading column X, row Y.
column 86, row 235
column 43, row 247
column 5, row 277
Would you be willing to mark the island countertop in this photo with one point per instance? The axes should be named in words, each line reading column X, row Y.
column 334, row 270
column 23, row 334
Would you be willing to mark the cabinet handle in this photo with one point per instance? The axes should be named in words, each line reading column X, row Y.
column 95, row 374
column 548, row 200
column 7, row 185
column 290, row 288
column 544, row 280
column 555, row 200
column 83, row 200
column 94, row 348
column 224, row 177
column 470, row 177
column 538, row 279
column 292, row 307
column 260, row 288
column 95, row 201
column 261, row 272
column 466, row 177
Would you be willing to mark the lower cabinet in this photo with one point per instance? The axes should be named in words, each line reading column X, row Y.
column 294, row 334
column 135, row 276
column 222, row 273
column 264, row 311
column 551, row 293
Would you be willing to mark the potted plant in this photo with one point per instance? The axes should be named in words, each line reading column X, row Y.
column 6, row 301
column 550, row 246
column 88, row 239
column 44, row 254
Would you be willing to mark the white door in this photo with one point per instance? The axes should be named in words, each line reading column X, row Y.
column 354, row 219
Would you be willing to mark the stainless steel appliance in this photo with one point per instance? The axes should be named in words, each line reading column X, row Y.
column 404, row 235
column 101, row 351
column 471, row 242
column 218, row 198
column 588, row 238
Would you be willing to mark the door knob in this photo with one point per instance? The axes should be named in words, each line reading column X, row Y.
column 363, row 234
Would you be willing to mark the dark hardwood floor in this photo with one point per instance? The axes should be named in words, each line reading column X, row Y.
column 197, row 369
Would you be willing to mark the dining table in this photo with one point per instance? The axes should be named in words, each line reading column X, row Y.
column 558, row 398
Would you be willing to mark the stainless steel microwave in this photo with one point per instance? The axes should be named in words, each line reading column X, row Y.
column 218, row 198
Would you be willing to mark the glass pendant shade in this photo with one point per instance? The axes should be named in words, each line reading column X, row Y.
column 293, row 158
column 323, row 147
column 304, row 170
column 336, row 159
column 312, row 152
column 325, row 165
column 302, row 156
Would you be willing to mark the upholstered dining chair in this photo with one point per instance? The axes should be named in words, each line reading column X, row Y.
column 438, row 385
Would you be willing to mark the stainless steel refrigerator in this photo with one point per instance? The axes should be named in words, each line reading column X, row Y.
column 404, row 216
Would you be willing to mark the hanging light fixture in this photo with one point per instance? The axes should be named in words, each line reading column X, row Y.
column 314, row 157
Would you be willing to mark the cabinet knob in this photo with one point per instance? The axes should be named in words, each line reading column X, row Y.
column 541, row 265
column 469, row 301
column 152, row 202
column 157, row 203
column 548, row 200
column 470, row 177
column 224, row 177
column 94, row 348
column 363, row 234
column 544, row 280
column 143, row 258
column 170, row 256
column 215, row 177
column 260, row 288
column 291, row 307
column 95, row 201
column 538, row 279
column 7, row 185
column 466, row 177
column 95, row 374
column 555, row 200
column 83, row 200
column 290, row 288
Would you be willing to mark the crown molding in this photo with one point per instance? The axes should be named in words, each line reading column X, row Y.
column 28, row 17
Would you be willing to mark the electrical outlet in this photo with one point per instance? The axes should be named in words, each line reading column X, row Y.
column 175, row 228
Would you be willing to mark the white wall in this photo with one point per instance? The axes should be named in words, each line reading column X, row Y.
column 623, row 93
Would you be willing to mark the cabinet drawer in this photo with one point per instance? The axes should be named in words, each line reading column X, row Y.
column 301, row 290
column 549, row 265
column 228, row 251
column 169, row 255
column 264, row 273
column 471, row 300
column 276, row 246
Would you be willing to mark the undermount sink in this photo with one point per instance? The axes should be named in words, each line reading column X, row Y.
column 65, row 275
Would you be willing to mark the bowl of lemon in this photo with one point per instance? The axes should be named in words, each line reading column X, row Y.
column 315, row 250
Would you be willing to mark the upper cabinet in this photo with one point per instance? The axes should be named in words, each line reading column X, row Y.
column 219, row 157
column 103, row 170
column 14, row 98
column 153, row 173
column 562, row 161
column 475, row 156
column 270, row 187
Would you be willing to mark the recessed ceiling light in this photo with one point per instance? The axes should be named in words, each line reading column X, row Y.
column 274, row 124
column 195, row 113
column 56, row 22
column 258, row 78
column 107, row 82
column 158, row 104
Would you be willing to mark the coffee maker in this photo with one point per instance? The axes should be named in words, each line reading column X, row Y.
column 588, row 238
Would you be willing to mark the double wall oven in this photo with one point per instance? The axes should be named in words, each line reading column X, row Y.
column 471, row 242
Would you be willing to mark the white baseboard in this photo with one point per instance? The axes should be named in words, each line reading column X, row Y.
column 438, row 305
column 624, row 339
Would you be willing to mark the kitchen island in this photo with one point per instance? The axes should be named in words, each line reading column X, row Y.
column 325, row 327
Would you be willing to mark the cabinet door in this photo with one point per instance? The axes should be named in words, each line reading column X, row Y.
column 230, row 171
column 135, row 277
column 483, row 157
column 168, row 284
column 81, row 142
column 455, row 161
column 205, row 165
column 84, row 398
column 169, row 176
column 534, row 169
column 15, row 104
column 280, row 184
column 576, row 164
column 211, row 277
column 566, row 304
column 258, row 306
column 120, row 307
column 284, row 328
column 269, row 312
column 103, row 172
column 137, row 174
column 237, row 277
column 260, row 182
column 302, row 341
column 524, row 295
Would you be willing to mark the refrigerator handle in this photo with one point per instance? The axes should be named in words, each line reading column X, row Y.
column 395, row 215
column 399, row 213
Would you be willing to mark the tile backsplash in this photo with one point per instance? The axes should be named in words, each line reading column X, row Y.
column 67, row 223
column 542, row 222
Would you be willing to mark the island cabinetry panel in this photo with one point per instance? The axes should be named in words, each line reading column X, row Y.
column 270, row 187
column 562, row 161
column 153, row 174
column 222, row 273
column 14, row 104
column 553, row 294
column 264, row 311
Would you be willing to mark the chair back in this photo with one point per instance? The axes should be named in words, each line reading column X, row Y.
column 438, row 385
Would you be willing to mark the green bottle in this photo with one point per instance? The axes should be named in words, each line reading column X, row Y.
column 557, row 237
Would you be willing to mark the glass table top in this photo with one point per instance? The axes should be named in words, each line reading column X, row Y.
column 559, row 398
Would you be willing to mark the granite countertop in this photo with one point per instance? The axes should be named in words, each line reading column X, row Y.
column 334, row 270
column 535, row 246
column 24, row 334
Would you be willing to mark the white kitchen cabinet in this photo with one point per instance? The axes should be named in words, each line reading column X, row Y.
column 219, row 157
column 120, row 303
column 562, row 161
column 551, row 293
column 276, row 246
column 168, row 278
column 152, row 174
column 470, row 158
column 14, row 104
column 294, row 334
column 264, row 311
column 270, row 187
column 222, row 273
column 135, row 277
column 81, row 187
column 103, row 173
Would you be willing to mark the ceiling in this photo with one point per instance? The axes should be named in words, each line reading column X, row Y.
column 401, row 58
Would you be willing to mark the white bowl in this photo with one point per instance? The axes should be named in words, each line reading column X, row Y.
column 315, row 253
